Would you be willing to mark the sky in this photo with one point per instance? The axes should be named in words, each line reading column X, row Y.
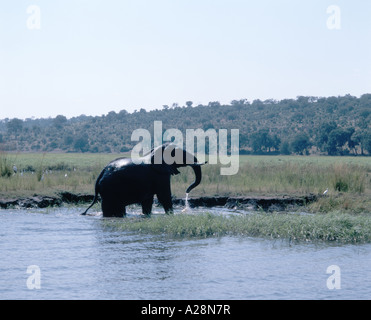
column 91, row 57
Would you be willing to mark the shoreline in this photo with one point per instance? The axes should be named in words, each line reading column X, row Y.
column 265, row 203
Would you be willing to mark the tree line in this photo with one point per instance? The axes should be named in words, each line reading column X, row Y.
column 305, row 125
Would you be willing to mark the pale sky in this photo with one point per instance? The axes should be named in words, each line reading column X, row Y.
column 93, row 56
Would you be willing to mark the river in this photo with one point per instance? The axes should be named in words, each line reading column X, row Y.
column 69, row 256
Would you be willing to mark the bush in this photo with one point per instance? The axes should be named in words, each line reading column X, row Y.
column 341, row 185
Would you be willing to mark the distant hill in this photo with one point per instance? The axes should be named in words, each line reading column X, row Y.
column 306, row 125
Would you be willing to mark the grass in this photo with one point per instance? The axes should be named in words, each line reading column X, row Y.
column 291, row 175
column 347, row 178
column 47, row 174
column 335, row 227
column 5, row 168
column 347, row 204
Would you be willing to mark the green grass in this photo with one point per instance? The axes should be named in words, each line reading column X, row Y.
column 335, row 227
column 347, row 178
column 291, row 175
column 5, row 167
column 46, row 173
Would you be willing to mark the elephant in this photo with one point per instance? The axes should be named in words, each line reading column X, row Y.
column 126, row 181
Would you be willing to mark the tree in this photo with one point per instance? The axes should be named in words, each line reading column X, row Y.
column 239, row 104
column 36, row 130
column 331, row 104
column 300, row 143
column 257, row 140
column 367, row 144
column 362, row 138
column 68, row 140
column 189, row 104
column 82, row 143
column 264, row 140
column 337, row 139
column 285, row 148
column 14, row 126
column 351, row 142
column 323, row 133
column 214, row 104
column 302, row 101
column 59, row 121
column 262, row 125
column 276, row 142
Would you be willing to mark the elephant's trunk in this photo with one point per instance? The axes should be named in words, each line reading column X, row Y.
column 197, row 170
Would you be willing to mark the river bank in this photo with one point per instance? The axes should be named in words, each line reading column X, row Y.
column 266, row 203
column 273, row 183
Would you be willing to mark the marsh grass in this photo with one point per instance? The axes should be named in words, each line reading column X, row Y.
column 347, row 178
column 351, row 203
column 335, row 227
column 284, row 175
column 49, row 173
column 5, row 166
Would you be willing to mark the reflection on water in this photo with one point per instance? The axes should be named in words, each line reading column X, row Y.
column 80, row 259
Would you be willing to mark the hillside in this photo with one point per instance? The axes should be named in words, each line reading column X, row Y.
column 333, row 125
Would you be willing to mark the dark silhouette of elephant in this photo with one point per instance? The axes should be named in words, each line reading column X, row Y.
column 126, row 181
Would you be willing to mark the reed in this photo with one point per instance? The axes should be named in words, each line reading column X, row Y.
column 335, row 227
column 5, row 166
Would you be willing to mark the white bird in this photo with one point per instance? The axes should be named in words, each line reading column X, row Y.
column 66, row 175
column 325, row 191
column 15, row 168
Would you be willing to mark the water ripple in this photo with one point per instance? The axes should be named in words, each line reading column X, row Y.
column 80, row 259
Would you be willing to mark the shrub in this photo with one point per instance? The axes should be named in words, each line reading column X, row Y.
column 341, row 185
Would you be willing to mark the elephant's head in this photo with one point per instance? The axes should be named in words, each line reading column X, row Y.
column 168, row 158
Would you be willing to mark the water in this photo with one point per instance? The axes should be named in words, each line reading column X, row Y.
column 80, row 259
column 187, row 207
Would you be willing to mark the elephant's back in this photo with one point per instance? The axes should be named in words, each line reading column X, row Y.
column 125, row 176
column 120, row 162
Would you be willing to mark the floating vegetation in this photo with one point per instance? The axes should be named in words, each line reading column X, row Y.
column 337, row 227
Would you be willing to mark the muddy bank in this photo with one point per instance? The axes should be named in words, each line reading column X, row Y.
column 39, row 201
column 279, row 203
